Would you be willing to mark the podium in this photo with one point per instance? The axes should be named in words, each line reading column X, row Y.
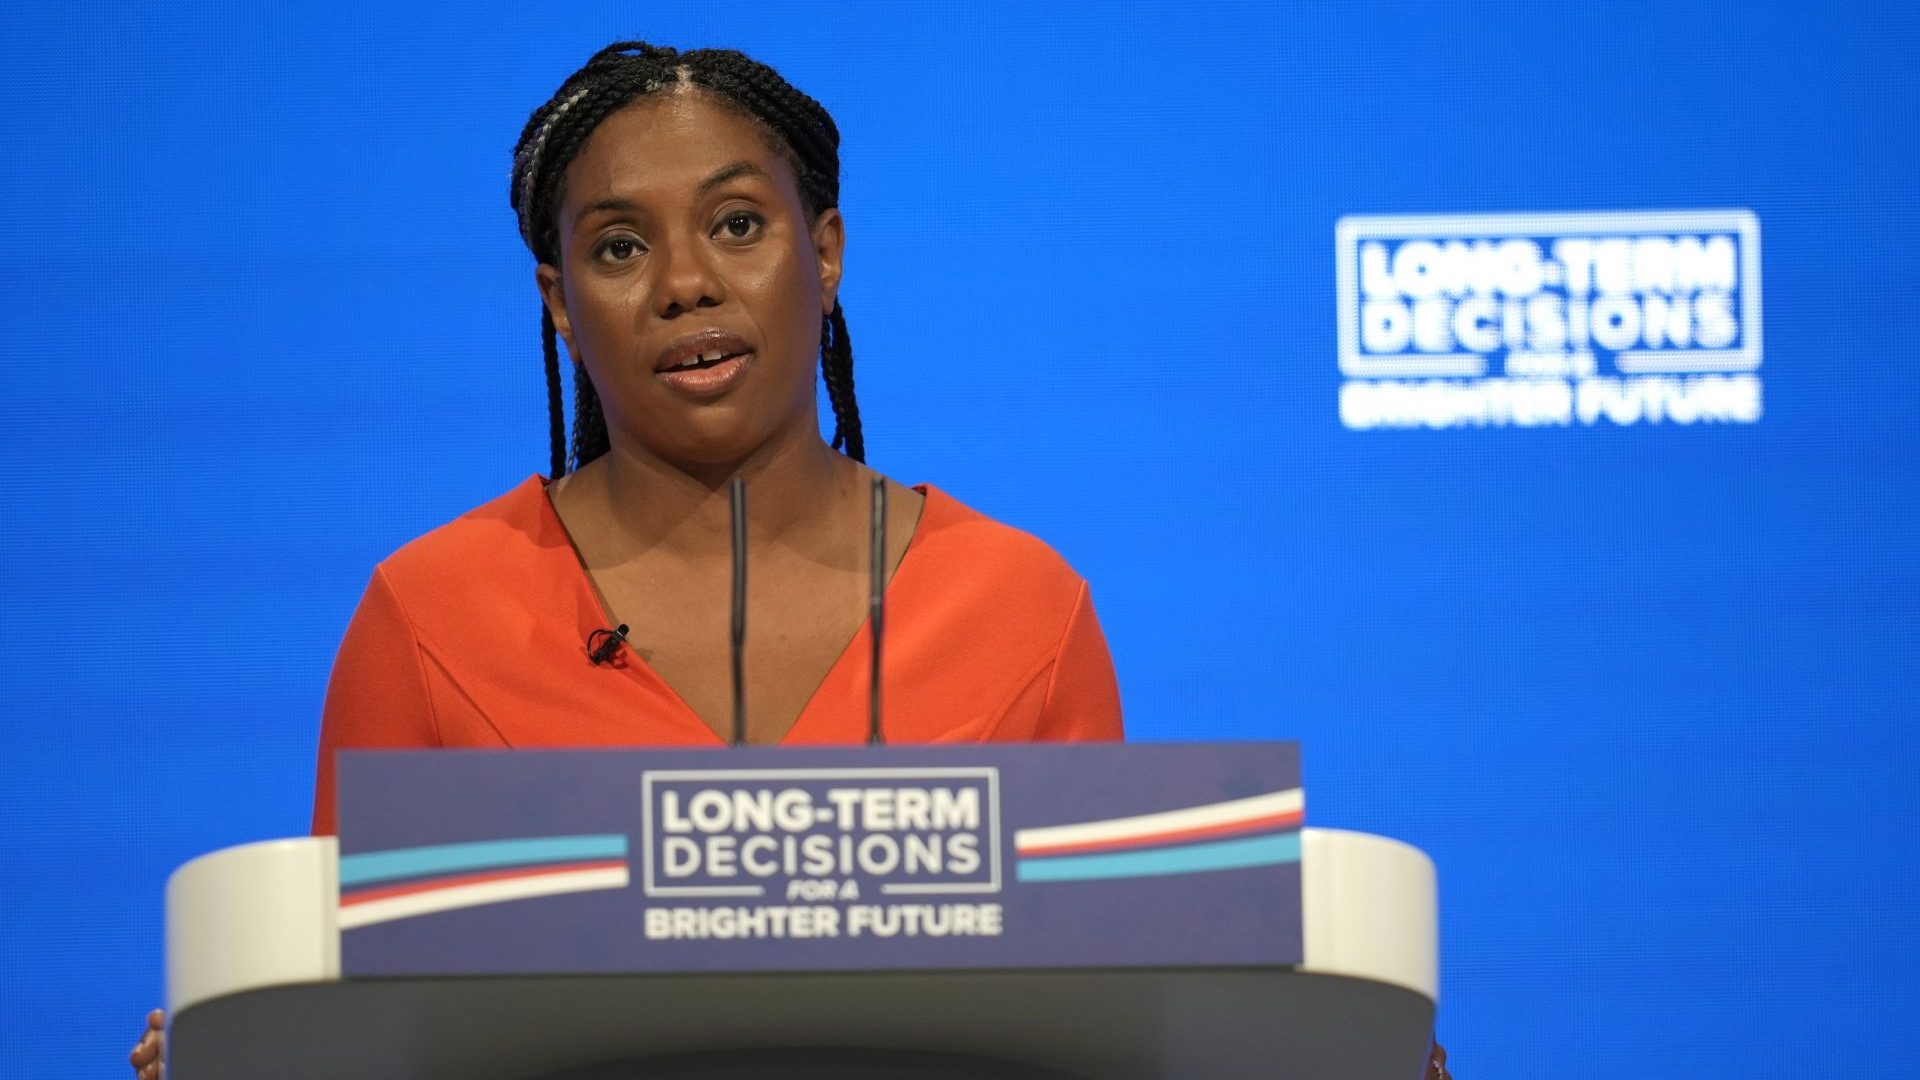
column 255, row 988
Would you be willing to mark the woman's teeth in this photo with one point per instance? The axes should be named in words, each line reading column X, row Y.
column 713, row 357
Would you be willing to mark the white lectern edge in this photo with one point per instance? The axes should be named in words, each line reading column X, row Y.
column 267, row 914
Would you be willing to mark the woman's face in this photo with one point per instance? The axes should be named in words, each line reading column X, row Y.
column 690, row 284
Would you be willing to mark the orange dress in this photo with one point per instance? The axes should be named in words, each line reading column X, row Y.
column 475, row 635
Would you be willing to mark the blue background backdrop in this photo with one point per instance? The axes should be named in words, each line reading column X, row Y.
column 1645, row 693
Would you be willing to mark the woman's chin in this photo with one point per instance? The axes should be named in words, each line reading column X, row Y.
column 718, row 446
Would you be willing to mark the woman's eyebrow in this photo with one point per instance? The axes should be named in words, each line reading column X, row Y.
column 608, row 205
column 730, row 172
column 615, row 204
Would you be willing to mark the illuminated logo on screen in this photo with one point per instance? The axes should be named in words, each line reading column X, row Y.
column 1542, row 320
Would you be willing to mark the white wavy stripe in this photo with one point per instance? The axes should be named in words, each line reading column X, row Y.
column 478, row 893
column 1129, row 828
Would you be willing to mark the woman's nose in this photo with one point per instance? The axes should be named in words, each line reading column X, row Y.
column 687, row 281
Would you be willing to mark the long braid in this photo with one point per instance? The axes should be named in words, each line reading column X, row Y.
column 556, row 420
column 555, row 133
column 836, row 369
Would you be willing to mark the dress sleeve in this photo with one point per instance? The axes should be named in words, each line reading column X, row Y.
column 1083, row 696
column 377, row 697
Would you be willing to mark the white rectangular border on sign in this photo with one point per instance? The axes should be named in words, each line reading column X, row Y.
column 1350, row 230
column 982, row 772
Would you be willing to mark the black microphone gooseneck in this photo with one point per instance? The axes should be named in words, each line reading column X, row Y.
column 877, row 602
column 738, row 499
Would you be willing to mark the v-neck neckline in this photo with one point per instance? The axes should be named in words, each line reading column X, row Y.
column 587, row 590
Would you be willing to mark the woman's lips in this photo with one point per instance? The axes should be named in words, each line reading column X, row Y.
column 711, row 380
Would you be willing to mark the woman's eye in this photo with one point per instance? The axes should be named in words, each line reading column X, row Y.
column 620, row 249
column 740, row 225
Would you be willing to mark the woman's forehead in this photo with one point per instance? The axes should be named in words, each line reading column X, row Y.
column 671, row 147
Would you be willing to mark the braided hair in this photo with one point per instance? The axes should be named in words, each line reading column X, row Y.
column 554, row 136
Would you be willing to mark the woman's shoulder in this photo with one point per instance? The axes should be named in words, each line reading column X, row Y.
column 994, row 625
column 513, row 531
column 989, row 556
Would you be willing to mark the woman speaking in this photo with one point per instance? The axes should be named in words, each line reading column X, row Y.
column 682, row 209
column 683, row 212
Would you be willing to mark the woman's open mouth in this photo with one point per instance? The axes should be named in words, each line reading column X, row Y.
column 707, row 375
column 703, row 366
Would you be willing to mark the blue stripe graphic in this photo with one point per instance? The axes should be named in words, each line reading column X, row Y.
column 375, row 866
column 1192, row 859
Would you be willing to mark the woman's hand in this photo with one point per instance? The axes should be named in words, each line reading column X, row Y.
column 1436, row 1064
column 150, row 1051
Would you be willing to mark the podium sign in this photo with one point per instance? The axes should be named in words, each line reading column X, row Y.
column 533, row 862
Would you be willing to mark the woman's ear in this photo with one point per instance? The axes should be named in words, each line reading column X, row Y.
column 553, row 293
column 829, row 240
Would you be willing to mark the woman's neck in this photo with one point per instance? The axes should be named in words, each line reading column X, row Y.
column 671, row 509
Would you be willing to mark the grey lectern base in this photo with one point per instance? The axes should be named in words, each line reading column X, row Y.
column 1089, row 1025
column 812, row 1065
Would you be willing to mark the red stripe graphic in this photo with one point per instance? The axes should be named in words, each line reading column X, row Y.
column 434, row 884
column 1285, row 819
